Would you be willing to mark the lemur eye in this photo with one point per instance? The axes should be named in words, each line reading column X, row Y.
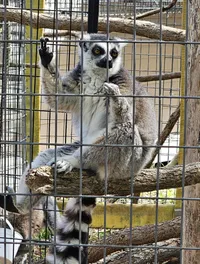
column 114, row 53
column 97, row 51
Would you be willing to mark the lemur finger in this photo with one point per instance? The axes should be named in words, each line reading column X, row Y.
column 43, row 42
column 63, row 166
column 111, row 88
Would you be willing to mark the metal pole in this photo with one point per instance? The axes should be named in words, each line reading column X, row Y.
column 93, row 15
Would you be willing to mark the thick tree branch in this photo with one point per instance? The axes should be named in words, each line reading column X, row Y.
column 41, row 181
column 143, row 28
column 146, row 255
column 140, row 235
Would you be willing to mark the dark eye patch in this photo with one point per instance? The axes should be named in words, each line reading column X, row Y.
column 114, row 53
column 97, row 50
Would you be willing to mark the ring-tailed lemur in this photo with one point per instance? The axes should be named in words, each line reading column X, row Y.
column 127, row 125
column 117, row 133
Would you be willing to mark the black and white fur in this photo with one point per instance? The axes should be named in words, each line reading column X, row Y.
column 126, row 124
column 72, row 232
column 129, row 123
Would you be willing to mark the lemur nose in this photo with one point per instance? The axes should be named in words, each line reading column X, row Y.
column 110, row 64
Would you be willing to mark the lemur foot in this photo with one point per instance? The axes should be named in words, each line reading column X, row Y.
column 45, row 55
column 110, row 89
column 61, row 165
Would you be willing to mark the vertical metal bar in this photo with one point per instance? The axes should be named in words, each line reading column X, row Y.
column 93, row 15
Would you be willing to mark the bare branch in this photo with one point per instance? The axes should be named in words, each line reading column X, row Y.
column 143, row 28
column 41, row 181
column 156, row 11
column 146, row 255
column 140, row 235
column 157, row 77
column 165, row 133
column 62, row 33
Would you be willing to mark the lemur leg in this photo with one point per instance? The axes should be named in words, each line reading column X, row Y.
column 23, row 201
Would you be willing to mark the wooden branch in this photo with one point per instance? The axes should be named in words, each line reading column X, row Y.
column 156, row 77
column 140, row 235
column 156, row 11
column 145, row 255
column 143, row 28
column 165, row 133
column 41, row 181
column 62, row 33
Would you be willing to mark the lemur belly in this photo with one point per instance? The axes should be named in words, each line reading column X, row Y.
column 94, row 121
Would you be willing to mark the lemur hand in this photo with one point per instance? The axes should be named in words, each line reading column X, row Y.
column 110, row 89
column 45, row 55
column 62, row 164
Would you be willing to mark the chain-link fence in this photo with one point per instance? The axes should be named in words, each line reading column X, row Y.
column 126, row 223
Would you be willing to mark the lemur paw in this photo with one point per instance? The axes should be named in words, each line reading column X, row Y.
column 45, row 55
column 110, row 89
column 61, row 165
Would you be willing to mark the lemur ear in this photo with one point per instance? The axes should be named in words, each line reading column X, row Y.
column 84, row 42
column 121, row 44
column 84, row 45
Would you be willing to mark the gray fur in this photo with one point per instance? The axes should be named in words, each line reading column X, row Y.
column 130, row 121
column 127, row 125
column 24, row 202
column 108, row 117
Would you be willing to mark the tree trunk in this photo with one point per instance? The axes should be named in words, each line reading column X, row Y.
column 191, row 230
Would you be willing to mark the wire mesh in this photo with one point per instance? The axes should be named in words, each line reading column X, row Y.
column 142, row 57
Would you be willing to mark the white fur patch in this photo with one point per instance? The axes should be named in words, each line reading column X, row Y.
column 68, row 226
column 71, row 204
column 65, row 243
column 84, row 226
column 51, row 260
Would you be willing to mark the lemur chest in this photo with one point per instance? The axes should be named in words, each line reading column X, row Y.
column 95, row 118
column 93, row 110
column 92, row 84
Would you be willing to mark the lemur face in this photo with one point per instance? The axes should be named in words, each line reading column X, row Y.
column 97, row 53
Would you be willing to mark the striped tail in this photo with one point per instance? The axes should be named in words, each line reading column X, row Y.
column 71, row 233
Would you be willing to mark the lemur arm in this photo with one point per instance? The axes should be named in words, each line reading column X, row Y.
column 119, row 106
column 55, row 86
